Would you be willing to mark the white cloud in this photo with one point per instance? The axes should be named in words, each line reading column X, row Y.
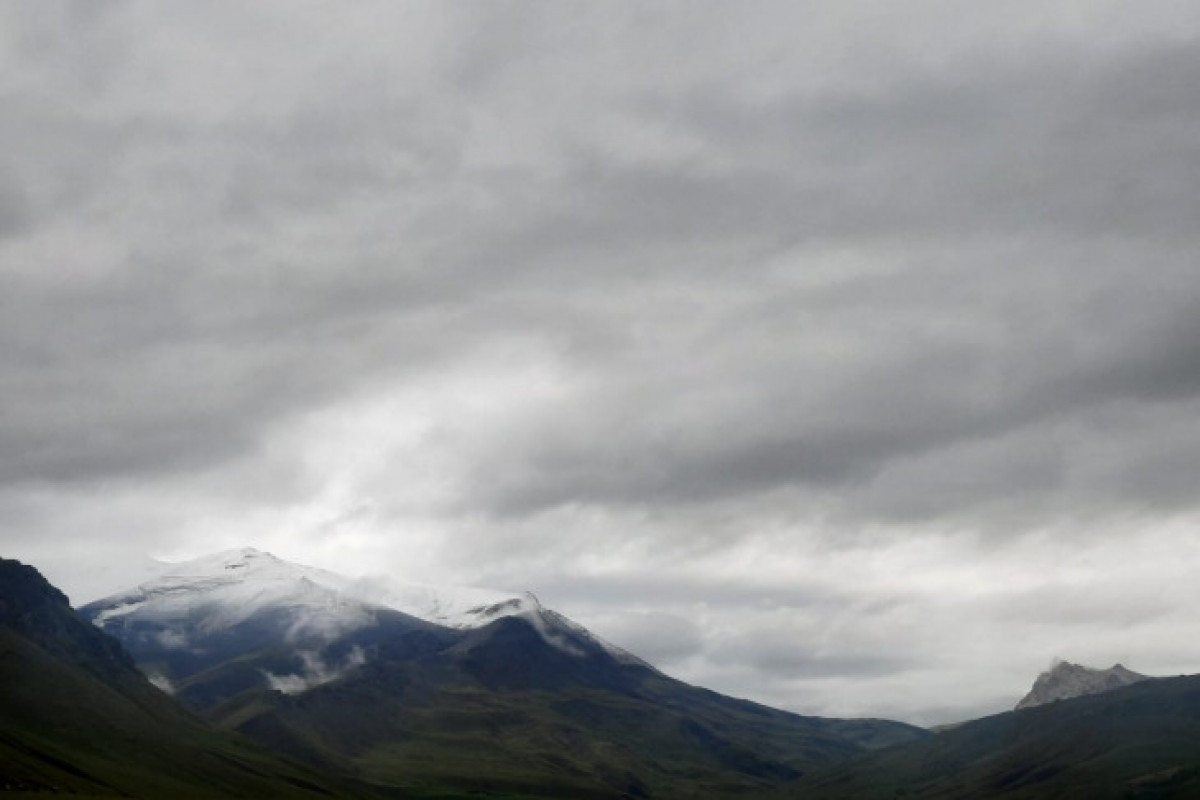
column 161, row 682
column 315, row 672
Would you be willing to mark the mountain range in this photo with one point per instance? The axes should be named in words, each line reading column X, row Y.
column 242, row 675
column 429, row 690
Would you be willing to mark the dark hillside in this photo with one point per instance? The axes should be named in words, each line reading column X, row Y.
column 502, row 710
column 77, row 717
column 1141, row 741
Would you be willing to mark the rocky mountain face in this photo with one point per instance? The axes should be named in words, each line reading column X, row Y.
column 1066, row 680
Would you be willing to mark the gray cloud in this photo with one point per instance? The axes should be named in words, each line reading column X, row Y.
column 612, row 295
column 250, row 334
column 657, row 637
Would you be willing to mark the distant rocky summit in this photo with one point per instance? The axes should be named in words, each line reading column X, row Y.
column 1066, row 680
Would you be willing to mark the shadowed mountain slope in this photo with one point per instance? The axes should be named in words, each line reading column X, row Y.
column 515, row 701
column 77, row 717
column 502, row 710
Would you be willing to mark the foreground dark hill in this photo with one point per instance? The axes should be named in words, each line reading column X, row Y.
column 76, row 717
column 520, row 702
column 1140, row 741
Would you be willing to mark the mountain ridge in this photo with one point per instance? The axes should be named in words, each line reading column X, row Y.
column 497, row 709
column 226, row 588
column 511, row 697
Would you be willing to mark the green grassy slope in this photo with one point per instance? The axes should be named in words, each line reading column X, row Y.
column 507, row 713
column 1142, row 741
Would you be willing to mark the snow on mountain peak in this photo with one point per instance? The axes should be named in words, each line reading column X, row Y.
column 186, row 604
column 244, row 558
column 224, row 589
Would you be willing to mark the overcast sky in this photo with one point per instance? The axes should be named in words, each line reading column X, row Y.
column 840, row 355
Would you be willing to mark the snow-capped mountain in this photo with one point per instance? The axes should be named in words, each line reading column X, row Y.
column 195, row 615
column 431, row 685
column 224, row 590
column 1066, row 680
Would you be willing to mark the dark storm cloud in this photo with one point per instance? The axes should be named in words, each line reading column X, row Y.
column 793, row 418
column 1054, row 148
column 1162, row 359
column 207, row 332
column 14, row 206
column 1037, row 225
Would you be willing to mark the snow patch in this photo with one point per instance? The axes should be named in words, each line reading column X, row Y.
column 218, row 592
column 460, row 607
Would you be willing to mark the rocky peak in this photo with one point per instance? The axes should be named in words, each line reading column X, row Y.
column 1066, row 680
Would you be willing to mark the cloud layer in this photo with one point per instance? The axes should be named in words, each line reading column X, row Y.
column 808, row 349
